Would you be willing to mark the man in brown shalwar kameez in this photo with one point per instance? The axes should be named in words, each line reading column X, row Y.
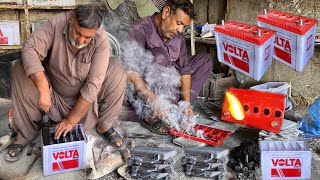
column 66, row 71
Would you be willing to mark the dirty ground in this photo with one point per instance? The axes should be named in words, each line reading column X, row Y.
column 128, row 129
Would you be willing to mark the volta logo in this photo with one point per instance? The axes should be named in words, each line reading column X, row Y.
column 66, row 154
column 238, row 51
column 286, row 162
column 280, row 41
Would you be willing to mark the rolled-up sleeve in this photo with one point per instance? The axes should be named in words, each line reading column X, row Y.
column 183, row 63
column 36, row 48
column 98, row 70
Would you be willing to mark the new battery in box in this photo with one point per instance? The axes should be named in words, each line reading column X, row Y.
column 245, row 48
column 66, row 154
column 285, row 160
column 294, row 43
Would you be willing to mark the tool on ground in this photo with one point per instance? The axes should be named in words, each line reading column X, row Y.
column 36, row 151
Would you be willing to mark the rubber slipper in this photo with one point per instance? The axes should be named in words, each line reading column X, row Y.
column 114, row 137
column 18, row 151
column 155, row 128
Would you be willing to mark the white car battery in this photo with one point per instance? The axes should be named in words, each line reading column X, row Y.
column 65, row 154
column 285, row 160
column 295, row 37
column 245, row 48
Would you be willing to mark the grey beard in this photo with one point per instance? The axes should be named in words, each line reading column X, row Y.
column 73, row 43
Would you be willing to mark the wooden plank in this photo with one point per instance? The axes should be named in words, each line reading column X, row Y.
column 216, row 11
column 9, row 6
column 11, row 47
column 211, row 41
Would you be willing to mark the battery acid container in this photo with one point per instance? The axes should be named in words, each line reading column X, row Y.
column 295, row 37
column 245, row 48
column 65, row 154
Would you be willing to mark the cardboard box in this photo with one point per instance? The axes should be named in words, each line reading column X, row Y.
column 64, row 157
column 52, row 2
column 9, row 33
column 295, row 37
column 285, row 160
column 245, row 48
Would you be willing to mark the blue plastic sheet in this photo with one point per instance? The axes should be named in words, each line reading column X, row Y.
column 310, row 123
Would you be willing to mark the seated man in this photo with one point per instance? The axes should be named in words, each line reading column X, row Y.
column 66, row 71
column 161, row 34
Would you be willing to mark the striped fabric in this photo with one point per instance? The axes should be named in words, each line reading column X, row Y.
column 159, row 3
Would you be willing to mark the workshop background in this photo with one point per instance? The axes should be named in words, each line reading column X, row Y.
column 305, row 85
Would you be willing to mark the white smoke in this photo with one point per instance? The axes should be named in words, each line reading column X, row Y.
column 163, row 81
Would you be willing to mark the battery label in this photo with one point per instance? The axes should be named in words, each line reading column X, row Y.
column 65, row 160
column 282, row 47
column 236, row 54
column 286, row 167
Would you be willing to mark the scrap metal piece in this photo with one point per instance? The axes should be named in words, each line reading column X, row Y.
column 194, row 159
column 208, row 152
column 206, row 167
column 150, row 175
column 208, row 174
column 162, row 153
column 149, row 160
column 135, row 169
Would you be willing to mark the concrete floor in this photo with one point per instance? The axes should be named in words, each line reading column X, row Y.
column 234, row 140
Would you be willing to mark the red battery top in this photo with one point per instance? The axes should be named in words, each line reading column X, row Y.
column 290, row 22
column 245, row 32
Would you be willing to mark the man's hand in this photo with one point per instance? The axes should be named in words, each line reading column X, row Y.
column 188, row 111
column 62, row 128
column 45, row 101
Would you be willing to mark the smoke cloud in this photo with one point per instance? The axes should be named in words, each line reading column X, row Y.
column 163, row 81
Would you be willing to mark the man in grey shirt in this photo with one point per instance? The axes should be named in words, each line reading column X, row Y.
column 161, row 34
column 66, row 71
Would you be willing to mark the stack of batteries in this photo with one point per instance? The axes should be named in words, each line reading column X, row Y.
column 151, row 163
column 209, row 162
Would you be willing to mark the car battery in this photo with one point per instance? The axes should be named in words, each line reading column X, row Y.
column 245, row 48
column 285, row 160
column 65, row 154
column 295, row 37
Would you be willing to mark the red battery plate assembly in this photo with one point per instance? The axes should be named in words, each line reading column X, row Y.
column 262, row 110
column 214, row 136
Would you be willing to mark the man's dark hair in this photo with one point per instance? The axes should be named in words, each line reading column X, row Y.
column 184, row 5
column 89, row 16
